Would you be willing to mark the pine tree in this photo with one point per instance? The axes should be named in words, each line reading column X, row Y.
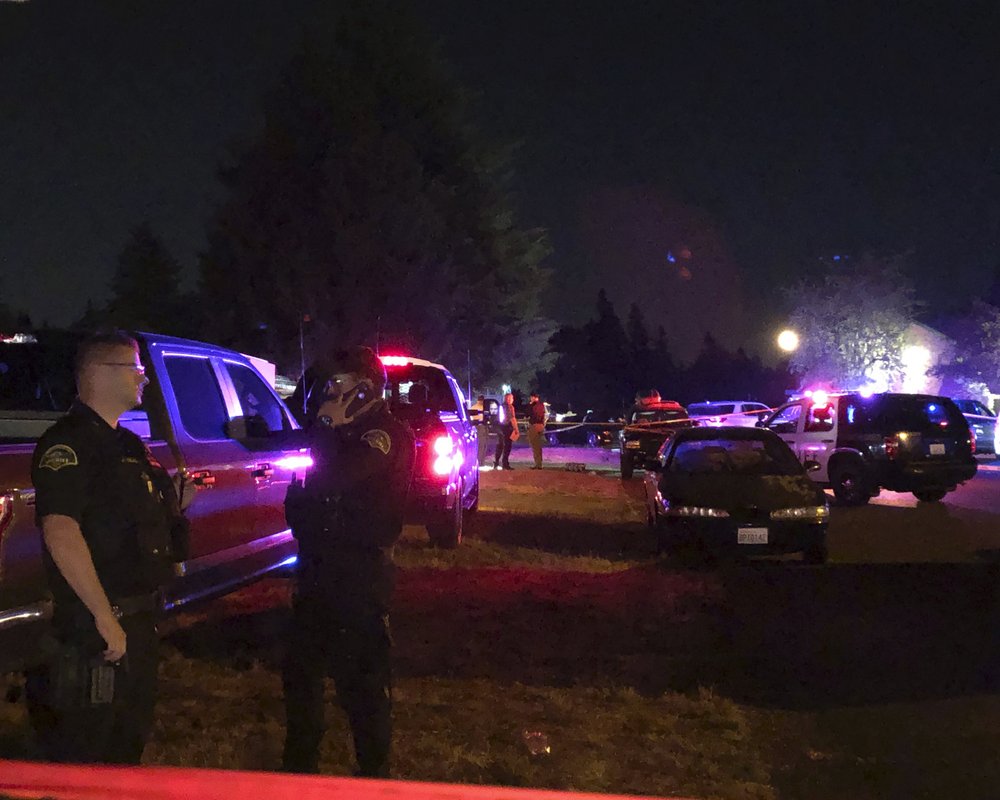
column 371, row 204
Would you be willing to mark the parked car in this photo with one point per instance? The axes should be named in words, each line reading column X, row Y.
column 446, row 475
column 902, row 442
column 587, row 429
column 734, row 490
column 728, row 412
column 982, row 423
column 206, row 410
column 648, row 424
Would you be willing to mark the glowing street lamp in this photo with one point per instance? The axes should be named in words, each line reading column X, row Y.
column 788, row 341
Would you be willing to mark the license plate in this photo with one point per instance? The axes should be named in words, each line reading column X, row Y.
column 632, row 445
column 751, row 536
column 937, row 449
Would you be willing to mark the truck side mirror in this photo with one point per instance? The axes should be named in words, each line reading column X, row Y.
column 236, row 428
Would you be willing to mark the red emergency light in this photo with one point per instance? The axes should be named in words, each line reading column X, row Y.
column 395, row 361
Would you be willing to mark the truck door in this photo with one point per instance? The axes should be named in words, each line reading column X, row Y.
column 787, row 423
column 274, row 456
column 818, row 437
column 222, row 515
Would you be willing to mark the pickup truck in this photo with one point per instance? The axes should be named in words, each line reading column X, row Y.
column 207, row 411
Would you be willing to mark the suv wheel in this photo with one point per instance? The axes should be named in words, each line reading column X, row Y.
column 446, row 531
column 930, row 495
column 816, row 553
column 849, row 485
column 627, row 468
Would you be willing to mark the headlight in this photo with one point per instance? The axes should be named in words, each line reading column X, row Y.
column 696, row 511
column 807, row 512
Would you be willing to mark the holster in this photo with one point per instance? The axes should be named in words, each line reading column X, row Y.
column 80, row 679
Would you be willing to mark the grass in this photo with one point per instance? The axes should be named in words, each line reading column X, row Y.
column 763, row 680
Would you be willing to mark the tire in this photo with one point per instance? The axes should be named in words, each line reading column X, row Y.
column 591, row 439
column 627, row 468
column 848, row 484
column 446, row 531
column 816, row 553
column 930, row 495
column 551, row 439
column 474, row 505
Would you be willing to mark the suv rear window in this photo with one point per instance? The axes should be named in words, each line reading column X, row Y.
column 711, row 409
column 414, row 386
column 658, row 415
column 912, row 413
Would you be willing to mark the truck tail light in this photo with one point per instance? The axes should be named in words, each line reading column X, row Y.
column 446, row 456
column 972, row 441
column 891, row 447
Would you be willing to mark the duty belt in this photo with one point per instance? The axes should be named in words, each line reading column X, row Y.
column 137, row 604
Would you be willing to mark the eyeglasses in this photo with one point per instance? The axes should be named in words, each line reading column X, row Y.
column 138, row 369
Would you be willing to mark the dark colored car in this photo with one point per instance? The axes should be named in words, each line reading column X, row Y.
column 446, row 475
column 982, row 423
column 734, row 490
column 648, row 424
column 590, row 430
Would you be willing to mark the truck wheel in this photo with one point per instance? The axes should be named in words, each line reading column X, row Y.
column 627, row 468
column 849, row 485
column 930, row 495
column 446, row 531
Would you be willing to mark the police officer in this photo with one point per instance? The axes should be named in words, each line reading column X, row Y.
column 346, row 517
column 112, row 525
column 537, row 416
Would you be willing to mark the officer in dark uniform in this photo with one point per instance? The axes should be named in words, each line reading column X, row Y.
column 346, row 518
column 112, row 526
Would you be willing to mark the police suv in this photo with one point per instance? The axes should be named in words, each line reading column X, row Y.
column 864, row 443
column 446, row 473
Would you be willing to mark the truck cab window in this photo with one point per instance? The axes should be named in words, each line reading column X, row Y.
column 199, row 399
column 256, row 398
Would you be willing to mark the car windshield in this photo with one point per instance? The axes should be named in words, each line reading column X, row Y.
column 413, row 388
column 742, row 456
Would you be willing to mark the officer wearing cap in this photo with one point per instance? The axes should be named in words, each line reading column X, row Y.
column 111, row 524
column 346, row 517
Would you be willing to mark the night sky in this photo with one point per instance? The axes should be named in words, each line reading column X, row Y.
column 690, row 157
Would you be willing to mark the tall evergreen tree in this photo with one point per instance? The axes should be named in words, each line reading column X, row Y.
column 371, row 204
column 145, row 288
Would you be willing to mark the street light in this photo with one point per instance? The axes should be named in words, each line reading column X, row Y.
column 788, row 340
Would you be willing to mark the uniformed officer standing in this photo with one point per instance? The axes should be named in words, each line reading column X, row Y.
column 112, row 525
column 346, row 517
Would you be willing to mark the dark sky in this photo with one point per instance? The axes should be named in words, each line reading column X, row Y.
column 744, row 140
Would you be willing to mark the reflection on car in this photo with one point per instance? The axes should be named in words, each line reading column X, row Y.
column 734, row 490
column 744, row 413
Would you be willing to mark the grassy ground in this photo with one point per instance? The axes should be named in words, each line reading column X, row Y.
column 760, row 680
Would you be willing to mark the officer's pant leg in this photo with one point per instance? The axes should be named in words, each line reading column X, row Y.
column 508, row 443
column 135, row 692
column 535, row 438
column 498, row 452
column 304, row 669
column 362, row 672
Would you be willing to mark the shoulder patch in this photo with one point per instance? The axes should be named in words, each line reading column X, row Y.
column 57, row 457
column 378, row 439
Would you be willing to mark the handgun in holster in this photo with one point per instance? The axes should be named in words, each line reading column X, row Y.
column 80, row 679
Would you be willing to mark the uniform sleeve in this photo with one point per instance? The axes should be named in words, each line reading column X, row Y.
column 59, row 474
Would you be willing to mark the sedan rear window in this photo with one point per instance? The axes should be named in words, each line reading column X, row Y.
column 711, row 409
column 744, row 456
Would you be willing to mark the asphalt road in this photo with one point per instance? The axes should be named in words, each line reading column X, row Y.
column 982, row 493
